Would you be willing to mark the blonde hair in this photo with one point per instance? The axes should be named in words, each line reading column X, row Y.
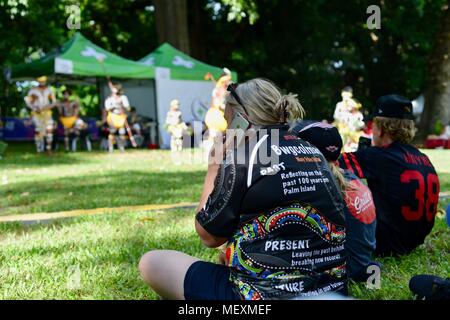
column 343, row 184
column 264, row 103
column 401, row 130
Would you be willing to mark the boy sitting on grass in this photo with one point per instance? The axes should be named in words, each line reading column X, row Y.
column 403, row 181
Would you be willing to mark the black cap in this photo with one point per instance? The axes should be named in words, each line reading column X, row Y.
column 325, row 137
column 394, row 106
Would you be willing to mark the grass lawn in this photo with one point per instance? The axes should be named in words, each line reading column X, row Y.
column 37, row 261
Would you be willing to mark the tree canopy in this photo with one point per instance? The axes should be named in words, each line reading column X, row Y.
column 313, row 48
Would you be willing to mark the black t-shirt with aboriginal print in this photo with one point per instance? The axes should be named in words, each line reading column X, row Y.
column 278, row 203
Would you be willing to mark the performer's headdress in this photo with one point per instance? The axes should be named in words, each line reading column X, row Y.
column 118, row 89
column 347, row 89
column 42, row 79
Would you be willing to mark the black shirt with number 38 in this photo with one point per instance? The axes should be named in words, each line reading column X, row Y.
column 405, row 189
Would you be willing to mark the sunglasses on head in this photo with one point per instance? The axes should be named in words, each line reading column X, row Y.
column 232, row 90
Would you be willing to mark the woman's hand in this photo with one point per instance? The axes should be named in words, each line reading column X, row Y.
column 208, row 185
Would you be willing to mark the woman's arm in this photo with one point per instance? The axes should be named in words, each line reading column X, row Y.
column 217, row 220
column 213, row 167
column 208, row 239
column 208, row 185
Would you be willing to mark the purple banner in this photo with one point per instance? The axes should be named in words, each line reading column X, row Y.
column 15, row 129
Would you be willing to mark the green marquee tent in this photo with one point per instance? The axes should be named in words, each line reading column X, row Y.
column 182, row 66
column 79, row 57
column 79, row 61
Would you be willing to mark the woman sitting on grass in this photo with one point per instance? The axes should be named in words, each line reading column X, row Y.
column 272, row 200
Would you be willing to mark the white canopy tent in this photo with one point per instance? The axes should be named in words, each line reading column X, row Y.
column 179, row 76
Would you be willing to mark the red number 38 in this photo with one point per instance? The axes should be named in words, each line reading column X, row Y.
column 432, row 195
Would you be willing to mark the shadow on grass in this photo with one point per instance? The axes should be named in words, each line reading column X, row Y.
column 23, row 154
column 101, row 190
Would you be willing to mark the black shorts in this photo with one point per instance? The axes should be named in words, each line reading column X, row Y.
column 209, row 281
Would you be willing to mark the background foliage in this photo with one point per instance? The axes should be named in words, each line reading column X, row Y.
column 313, row 48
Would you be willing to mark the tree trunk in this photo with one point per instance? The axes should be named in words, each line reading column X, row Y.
column 437, row 93
column 172, row 23
column 196, row 17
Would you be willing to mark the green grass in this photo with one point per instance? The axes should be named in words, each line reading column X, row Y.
column 39, row 183
column 36, row 260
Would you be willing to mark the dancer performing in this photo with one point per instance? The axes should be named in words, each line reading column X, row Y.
column 116, row 106
column 68, row 114
column 175, row 126
column 137, row 126
column 41, row 100
column 80, row 131
column 349, row 120
column 355, row 127
column 214, row 117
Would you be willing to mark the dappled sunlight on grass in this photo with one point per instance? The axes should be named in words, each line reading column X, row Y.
column 113, row 189
column 97, row 180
